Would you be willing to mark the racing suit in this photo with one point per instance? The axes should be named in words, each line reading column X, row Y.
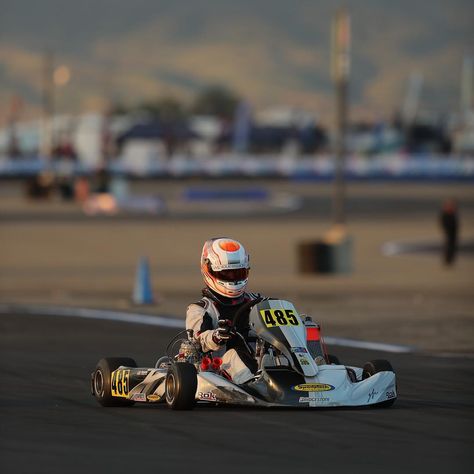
column 203, row 316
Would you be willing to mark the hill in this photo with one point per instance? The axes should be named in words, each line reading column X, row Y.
column 271, row 51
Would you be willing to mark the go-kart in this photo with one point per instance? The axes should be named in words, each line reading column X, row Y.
column 294, row 370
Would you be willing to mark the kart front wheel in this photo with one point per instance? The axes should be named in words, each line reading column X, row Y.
column 181, row 385
column 101, row 381
column 373, row 367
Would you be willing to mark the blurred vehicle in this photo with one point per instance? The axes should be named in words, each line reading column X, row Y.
column 108, row 204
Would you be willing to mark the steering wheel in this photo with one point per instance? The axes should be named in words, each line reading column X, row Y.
column 243, row 310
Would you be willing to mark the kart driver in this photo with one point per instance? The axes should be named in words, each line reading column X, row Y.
column 225, row 268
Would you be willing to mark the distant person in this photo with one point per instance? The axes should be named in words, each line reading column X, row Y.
column 102, row 181
column 40, row 186
column 81, row 189
column 64, row 151
column 449, row 222
column 13, row 150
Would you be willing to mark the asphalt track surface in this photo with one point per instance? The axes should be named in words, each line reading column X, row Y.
column 50, row 423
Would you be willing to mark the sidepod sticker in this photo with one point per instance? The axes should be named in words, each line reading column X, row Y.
column 313, row 387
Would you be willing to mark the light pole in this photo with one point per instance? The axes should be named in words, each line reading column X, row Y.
column 47, row 88
column 340, row 66
column 333, row 253
column 52, row 78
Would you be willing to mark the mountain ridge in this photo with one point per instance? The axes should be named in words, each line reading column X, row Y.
column 271, row 52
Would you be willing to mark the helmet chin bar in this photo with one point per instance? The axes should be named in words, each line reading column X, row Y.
column 232, row 289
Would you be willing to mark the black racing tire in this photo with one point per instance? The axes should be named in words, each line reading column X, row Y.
column 373, row 367
column 181, row 386
column 332, row 359
column 101, row 381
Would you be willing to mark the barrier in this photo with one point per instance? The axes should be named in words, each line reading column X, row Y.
column 332, row 254
column 393, row 168
column 206, row 194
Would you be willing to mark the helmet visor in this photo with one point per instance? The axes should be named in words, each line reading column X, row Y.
column 235, row 274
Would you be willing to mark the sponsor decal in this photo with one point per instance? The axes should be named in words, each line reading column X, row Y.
column 207, row 396
column 303, row 360
column 299, row 350
column 313, row 399
column 390, row 394
column 313, row 387
column 153, row 397
column 138, row 397
column 372, row 395
column 142, row 372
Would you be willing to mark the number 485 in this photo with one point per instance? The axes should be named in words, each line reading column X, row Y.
column 279, row 317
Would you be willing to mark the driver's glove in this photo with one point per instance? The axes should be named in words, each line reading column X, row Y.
column 224, row 332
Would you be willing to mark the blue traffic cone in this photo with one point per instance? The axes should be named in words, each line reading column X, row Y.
column 143, row 293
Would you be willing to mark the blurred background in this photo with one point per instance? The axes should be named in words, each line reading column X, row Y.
column 338, row 147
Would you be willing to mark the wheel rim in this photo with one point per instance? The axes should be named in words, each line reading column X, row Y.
column 170, row 388
column 162, row 362
column 99, row 383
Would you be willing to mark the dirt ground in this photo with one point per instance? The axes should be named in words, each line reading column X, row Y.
column 409, row 299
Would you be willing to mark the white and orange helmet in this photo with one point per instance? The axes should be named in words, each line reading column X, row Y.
column 225, row 266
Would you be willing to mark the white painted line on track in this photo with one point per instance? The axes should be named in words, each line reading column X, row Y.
column 376, row 346
column 103, row 314
column 166, row 321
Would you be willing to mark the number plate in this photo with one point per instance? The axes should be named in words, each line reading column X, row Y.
column 120, row 383
column 279, row 317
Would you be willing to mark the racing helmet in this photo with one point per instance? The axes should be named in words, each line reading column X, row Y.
column 225, row 266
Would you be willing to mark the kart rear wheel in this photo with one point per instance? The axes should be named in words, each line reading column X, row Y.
column 101, row 381
column 181, row 385
column 162, row 362
column 373, row 367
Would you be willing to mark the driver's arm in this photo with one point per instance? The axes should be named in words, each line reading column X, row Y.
column 198, row 319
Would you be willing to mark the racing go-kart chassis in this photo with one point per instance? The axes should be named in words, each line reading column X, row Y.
column 294, row 370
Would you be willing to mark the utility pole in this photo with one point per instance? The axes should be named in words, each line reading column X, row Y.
column 467, row 84
column 47, row 88
column 340, row 56
column 411, row 104
column 333, row 253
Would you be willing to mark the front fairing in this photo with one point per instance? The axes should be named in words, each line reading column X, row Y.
column 278, row 323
